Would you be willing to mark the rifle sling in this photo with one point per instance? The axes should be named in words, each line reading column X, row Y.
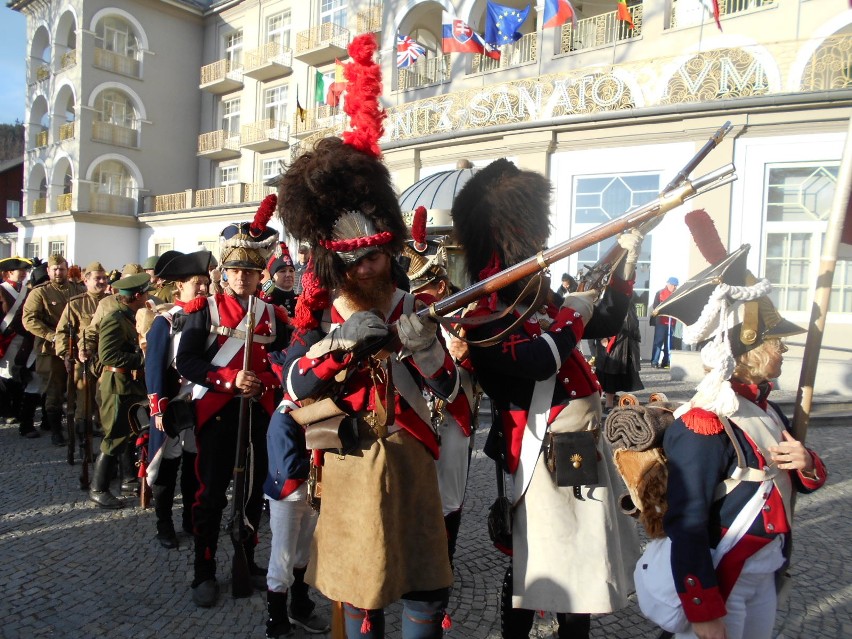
column 543, row 283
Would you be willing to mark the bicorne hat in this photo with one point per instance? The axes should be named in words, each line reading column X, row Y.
column 174, row 266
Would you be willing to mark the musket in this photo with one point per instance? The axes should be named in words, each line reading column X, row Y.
column 70, row 394
column 241, row 585
column 86, row 444
column 595, row 276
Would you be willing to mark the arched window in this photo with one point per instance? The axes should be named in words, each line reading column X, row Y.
column 113, row 178
column 116, row 35
column 115, row 107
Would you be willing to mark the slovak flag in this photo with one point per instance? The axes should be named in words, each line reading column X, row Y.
column 458, row 37
column 558, row 12
column 407, row 51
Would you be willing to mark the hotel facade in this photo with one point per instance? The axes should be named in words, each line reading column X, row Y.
column 151, row 124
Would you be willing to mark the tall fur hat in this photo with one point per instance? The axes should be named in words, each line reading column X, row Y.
column 502, row 217
column 339, row 197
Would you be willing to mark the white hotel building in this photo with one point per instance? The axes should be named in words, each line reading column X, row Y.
column 153, row 123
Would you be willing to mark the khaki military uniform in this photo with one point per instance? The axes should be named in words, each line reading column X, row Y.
column 42, row 311
column 122, row 383
column 74, row 320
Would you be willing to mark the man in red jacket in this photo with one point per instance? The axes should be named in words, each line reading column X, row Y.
column 663, row 327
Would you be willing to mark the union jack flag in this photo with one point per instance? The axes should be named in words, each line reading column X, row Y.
column 407, row 51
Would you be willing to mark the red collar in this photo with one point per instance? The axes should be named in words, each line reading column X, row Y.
column 756, row 393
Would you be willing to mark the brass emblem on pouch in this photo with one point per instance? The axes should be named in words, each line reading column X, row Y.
column 576, row 460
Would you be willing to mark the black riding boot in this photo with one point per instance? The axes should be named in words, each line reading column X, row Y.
column 28, row 406
column 163, row 492
column 515, row 623
column 188, row 488
column 257, row 573
column 12, row 397
column 302, row 608
column 277, row 621
column 129, row 478
column 54, row 421
column 573, row 626
column 99, row 492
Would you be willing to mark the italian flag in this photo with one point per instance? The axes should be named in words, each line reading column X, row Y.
column 624, row 13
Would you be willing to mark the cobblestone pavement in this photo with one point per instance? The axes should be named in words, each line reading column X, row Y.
column 73, row 570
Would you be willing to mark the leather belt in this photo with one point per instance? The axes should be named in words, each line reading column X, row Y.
column 241, row 335
column 113, row 369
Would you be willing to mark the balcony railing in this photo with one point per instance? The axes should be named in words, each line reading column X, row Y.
column 40, row 205
column 222, row 76
column 265, row 135
column 685, row 15
column 68, row 60
column 66, row 131
column 425, row 71
column 318, row 117
column 114, row 204
column 600, row 30
column 117, row 63
column 322, row 43
column 219, row 144
column 41, row 139
column 256, row 192
column 63, row 202
column 170, row 202
column 369, row 20
column 522, row 51
column 218, row 196
column 268, row 62
column 115, row 134
column 830, row 67
column 42, row 72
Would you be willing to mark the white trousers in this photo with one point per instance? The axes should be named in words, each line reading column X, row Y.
column 452, row 465
column 751, row 608
column 292, row 522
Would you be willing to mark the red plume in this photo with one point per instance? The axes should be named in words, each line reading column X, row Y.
column 313, row 298
column 263, row 215
column 364, row 86
column 706, row 236
column 418, row 228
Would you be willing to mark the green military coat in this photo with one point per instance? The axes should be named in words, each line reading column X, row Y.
column 118, row 391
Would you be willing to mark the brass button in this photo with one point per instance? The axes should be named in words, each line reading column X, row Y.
column 690, row 581
column 696, row 601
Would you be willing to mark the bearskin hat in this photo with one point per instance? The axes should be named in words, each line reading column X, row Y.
column 339, row 196
column 502, row 217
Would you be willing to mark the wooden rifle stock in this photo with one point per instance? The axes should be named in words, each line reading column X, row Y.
column 70, row 395
column 241, row 585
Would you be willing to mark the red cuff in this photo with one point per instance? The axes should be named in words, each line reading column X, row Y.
column 819, row 470
column 568, row 317
column 290, row 486
column 325, row 367
column 157, row 404
column 620, row 286
column 223, row 380
column 699, row 603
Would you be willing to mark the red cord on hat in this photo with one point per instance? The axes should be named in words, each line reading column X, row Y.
column 345, row 246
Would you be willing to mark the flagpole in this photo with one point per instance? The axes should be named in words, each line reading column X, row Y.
column 819, row 308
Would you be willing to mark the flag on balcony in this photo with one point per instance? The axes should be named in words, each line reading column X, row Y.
column 458, row 37
column 557, row 13
column 716, row 13
column 319, row 88
column 502, row 23
column 301, row 112
column 407, row 51
column 624, row 13
column 338, row 72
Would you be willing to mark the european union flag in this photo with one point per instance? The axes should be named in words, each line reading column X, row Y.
column 502, row 23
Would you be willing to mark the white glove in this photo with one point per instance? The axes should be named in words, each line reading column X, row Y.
column 416, row 334
column 631, row 241
column 582, row 303
column 361, row 327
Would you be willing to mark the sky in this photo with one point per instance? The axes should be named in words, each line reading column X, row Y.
column 13, row 52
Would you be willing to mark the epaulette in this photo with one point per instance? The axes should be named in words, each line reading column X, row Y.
column 42, row 285
column 77, row 297
column 702, row 422
column 195, row 305
column 281, row 313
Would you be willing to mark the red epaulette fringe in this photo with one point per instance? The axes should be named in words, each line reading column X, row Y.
column 703, row 422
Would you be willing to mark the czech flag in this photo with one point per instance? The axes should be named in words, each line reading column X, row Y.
column 557, row 13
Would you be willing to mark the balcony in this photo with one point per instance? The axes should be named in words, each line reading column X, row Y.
column 41, row 139
column 68, row 60
column 115, row 134
column 42, row 72
column 517, row 53
column 217, row 196
column 319, row 117
column 600, row 30
column 63, row 202
column 172, row 202
column 117, row 63
column 39, row 205
column 265, row 135
column 269, row 62
column 688, row 15
column 66, row 131
column 256, row 192
column 423, row 72
column 219, row 77
column 369, row 20
column 113, row 204
column 322, row 44
column 218, row 145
